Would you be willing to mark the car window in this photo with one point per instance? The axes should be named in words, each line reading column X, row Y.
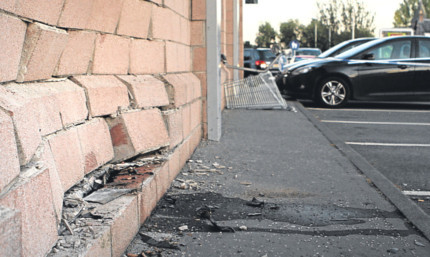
column 424, row 49
column 267, row 55
column 392, row 50
column 247, row 55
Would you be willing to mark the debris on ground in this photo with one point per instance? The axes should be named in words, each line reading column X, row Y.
column 255, row 203
column 205, row 213
column 160, row 244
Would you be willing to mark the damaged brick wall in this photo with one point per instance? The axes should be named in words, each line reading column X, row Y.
column 84, row 84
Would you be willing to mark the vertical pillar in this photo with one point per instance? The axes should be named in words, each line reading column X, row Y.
column 236, row 45
column 213, row 46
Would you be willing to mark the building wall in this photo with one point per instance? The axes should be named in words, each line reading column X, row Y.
column 85, row 83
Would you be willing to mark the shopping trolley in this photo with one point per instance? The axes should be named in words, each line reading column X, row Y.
column 255, row 92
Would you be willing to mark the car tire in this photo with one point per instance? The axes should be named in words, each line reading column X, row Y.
column 332, row 92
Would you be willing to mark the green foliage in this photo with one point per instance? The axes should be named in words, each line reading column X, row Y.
column 266, row 33
column 290, row 30
column 337, row 18
column 403, row 16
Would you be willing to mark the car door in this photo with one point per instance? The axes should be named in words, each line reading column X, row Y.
column 387, row 75
column 422, row 69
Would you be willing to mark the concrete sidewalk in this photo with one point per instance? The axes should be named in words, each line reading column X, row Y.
column 310, row 199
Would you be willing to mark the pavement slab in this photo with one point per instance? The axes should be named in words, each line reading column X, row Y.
column 274, row 185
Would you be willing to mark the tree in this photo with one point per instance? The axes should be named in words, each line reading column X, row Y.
column 265, row 35
column 290, row 30
column 341, row 17
column 403, row 16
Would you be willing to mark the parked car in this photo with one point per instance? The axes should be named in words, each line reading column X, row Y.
column 301, row 54
column 344, row 46
column 259, row 59
column 393, row 68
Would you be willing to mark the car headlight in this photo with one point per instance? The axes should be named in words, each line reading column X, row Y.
column 302, row 70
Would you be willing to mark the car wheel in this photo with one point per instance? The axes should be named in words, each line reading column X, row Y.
column 332, row 92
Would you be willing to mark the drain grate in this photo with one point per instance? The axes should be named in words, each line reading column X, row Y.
column 254, row 92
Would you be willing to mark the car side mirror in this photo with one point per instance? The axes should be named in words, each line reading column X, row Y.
column 369, row 56
column 247, row 58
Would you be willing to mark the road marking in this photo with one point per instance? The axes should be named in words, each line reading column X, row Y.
column 368, row 110
column 386, row 144
column 377, row 122
column 417, row 193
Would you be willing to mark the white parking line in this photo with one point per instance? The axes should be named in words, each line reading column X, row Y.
column 386, row 144
column 377, row 122
column 368, row 110
column 417, row 193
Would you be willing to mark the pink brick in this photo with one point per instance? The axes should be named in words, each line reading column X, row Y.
column 10, row 232
column 198, row 9
column 135, row 18
column 186, row 120
column 162, row 180
column 188, row 81
column 177, row 89
column 42, row 50
column 198, row 33
column 196, row 114
column 47, row 159
column 76, row 14
column 174, row 126
column 126, row 225
column 111, row 55
column 96, row 144
column 160, row 17
column 196, row 137
column 105, row 15
column 137, row 132
column 147, row 91
column 8, row 151
column 65, row 147
column 23, row 113
column 147, row 57
column 179, row 6
column 11, row 41
column 77, row 54
column 33, row 198
column 174, row 164
column 40, row 10
column 102, row 244
column 184, row 153
column 148, row 199
column 159, row 2
column 194, row 84
column 8, row 5
column 177, row 57
column 185, row 35
column 203, row 88
column 199, row 59
column 105, row 94
column 58, row 103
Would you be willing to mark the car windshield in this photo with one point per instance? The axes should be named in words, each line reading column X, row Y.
column 343, row 47
column 312, row 52
column 356, row 50
column 266, row 55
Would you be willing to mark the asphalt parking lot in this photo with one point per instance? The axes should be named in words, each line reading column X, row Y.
column 393, row 137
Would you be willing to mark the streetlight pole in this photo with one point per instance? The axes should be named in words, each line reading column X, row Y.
column 316, row 34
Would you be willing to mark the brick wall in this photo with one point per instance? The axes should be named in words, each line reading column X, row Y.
column 84, row 83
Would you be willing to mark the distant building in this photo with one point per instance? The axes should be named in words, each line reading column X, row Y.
column 420, row 24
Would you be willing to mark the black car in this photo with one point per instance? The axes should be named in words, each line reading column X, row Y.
column 258, row 59
column 344, row 46
column 394, row 68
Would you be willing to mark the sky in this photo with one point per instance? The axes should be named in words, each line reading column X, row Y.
column 277, row 11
